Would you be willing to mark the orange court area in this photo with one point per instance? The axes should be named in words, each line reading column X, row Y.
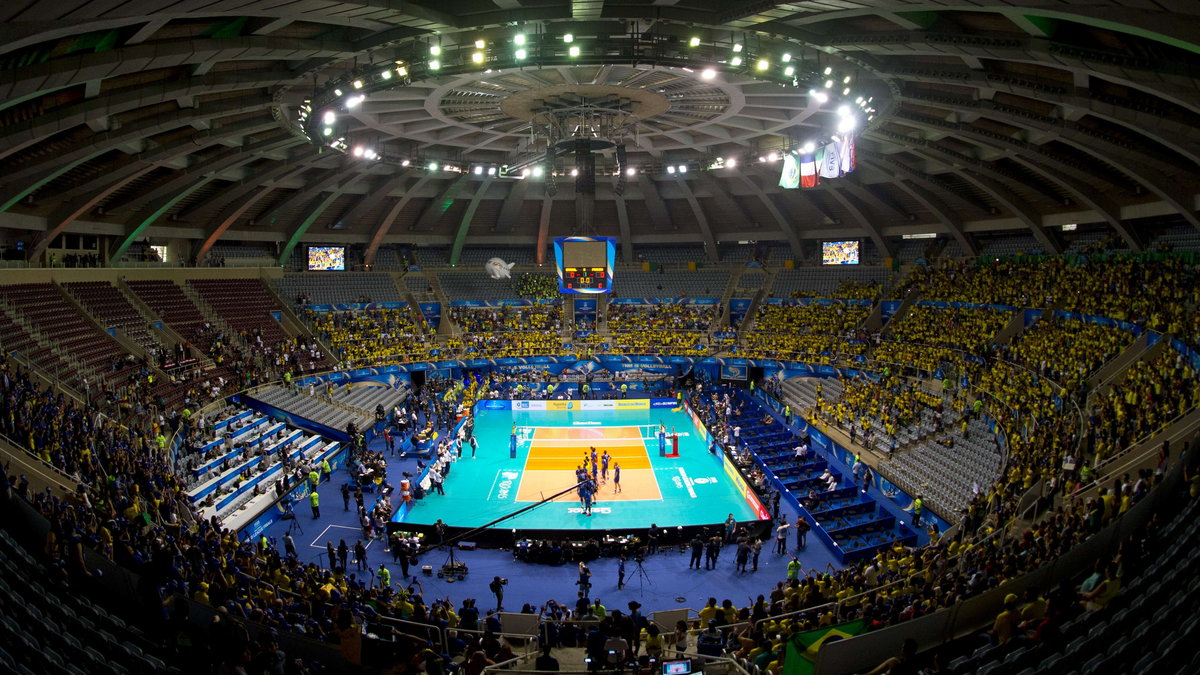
column 555, row 452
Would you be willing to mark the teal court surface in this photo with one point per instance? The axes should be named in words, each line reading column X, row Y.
column 693, row 487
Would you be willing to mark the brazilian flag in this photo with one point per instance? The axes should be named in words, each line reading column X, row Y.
column 803, row 647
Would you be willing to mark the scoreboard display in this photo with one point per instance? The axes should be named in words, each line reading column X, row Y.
column 585, row 264
column 585, row 279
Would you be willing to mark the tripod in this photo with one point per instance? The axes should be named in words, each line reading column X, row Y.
column 641, row 575
column 295, row 524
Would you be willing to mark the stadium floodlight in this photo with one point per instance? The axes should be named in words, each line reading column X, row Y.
column 573, row 51
column 480, row 44
column 433, row 166
column 735, row 61
column 329, row 117
column 405, row 162
column 694, row 42
column 435, row 64
column 631, row 171
column 708, row 74
column 435, row 50
column 789, row 71
column 821, row 97
column 519, row 39
column 447, row 167
column 828, row 70
column 358, row 151
column 538, row 171
column 574, row 172
column 354, row 101
column 337, row 92
column 808, row 147
column 568, row 38
column 402, row 71
column 491, row 171
column 846, row 80
column 828, row 84
column 843, row 110
column 386, row 73
column 737, row 47
column 670, row 169
column 370, row 153
column 327, row 131
column 773, row 157
column 521, row 54
column 683, row 168
column 477, row 57
column 846, row 91
column 762, row 64
column 357, row 84
column 786, row 57
column 478, row 170
column 846, row 125
column 731, row 162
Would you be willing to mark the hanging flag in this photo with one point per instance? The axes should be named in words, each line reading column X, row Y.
column 846, row 152
column 808, row 171
column 790, row 178
column 829, row 160
column 802, row 648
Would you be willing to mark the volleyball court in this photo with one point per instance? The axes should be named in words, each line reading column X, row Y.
column 555, row 452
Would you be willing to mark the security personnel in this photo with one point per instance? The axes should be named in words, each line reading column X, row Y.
column 315, row 501
column 326, row 471
column 918, row 507
column 385, row 576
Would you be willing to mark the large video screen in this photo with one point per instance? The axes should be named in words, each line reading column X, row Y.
column 585, row 264
column 839, row 252
column 326, row 258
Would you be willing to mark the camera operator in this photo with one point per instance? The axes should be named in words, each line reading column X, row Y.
column 497, row 588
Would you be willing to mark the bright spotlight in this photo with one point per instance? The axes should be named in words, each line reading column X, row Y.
column 573, row 51
column 354, row 101
column 631, row 171
column 763, row 64
column 519, row 39
column 477, row 57
column 447, row 167
column 773, row 157
column 670, row 169
column 846, row 91
column 694, row 42
column 683, row 168
column 521, row 54
column 828, row 84
column 358, row 151
column 435, row 64
column 821, row 97
column 808, row 147
column 327, row 131
column 478, row 171
column 435, row 50
column 737, row 47
column 402, row 71
column 846, row 80
column 846, row 125
column 537, row 172
column 337, row 92
column 708, row 74
column 480, row 44
column 731, row 162
column 433, row 166
column 524, row 173
column 370, row 154
column 568, row 38
column 789, row 71
column 786, row 57
column 386, row 74
column 405, row 163
column 735, row 61
column 828, row 70
column 329, row 117
column 491, row 171
column 357, row 84
column 843, row 110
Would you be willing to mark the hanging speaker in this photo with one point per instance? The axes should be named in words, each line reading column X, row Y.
column 622, row 162
column 585, row 164
column 548, row 173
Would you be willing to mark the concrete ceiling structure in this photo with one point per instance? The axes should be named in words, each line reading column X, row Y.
column 175, row 119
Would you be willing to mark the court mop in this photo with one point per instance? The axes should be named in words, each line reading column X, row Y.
column 554, row 437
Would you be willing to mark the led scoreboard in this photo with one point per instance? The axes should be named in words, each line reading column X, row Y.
column 585, row 264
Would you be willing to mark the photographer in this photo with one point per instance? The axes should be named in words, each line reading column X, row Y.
column 497, row 588
column 585, row 577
